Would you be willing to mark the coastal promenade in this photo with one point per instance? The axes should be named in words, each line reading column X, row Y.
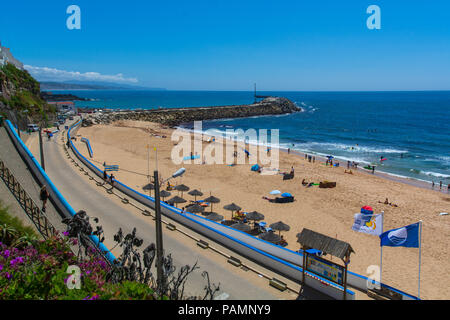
column 83, row 194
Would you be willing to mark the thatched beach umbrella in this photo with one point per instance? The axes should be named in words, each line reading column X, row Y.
column 175, row 200
column 212, row 199
column 195, row 208
column 270, row 236
column 148, row 187
column 182, row 188
column 195, row 193
column 280, row 226
column 232, row 207
column 255, row 216
column 214, row 217
column 164, row 194
column 241, row 226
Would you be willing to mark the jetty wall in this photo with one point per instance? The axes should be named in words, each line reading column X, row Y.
column 176, row 116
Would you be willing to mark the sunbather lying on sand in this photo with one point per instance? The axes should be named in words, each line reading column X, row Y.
column 389, row 203
column 307, row 184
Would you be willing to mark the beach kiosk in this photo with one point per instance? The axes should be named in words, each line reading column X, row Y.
column 314, row 246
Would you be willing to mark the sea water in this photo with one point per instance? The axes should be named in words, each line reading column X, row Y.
column 411, row 130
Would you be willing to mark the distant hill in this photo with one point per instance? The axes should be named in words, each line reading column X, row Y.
column 83, row 85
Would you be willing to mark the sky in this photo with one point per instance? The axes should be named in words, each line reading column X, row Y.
column 282, row 45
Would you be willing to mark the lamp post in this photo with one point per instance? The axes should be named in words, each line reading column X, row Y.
column 159, row 239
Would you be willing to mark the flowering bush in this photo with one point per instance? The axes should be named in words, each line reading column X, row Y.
column 39, row 271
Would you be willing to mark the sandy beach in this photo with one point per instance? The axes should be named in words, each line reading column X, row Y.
column 329, row 211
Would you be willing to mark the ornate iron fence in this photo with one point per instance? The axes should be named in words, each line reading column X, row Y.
column 42, row 223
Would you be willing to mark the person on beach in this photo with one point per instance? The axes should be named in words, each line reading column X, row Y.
column 314, row 159
column 348, row 164
column 440, row 185
column 373, row 169
column 432, row 184
column 289, row 150
column 111, row 179
column 44, row 195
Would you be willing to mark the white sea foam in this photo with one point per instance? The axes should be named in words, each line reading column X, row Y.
column 436, row 174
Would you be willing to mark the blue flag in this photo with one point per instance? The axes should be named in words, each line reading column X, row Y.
column 402, row 237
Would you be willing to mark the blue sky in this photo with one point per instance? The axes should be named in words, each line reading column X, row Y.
column 229, row 45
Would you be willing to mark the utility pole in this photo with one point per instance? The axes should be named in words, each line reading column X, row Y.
column 159, row 239
column 41, row 148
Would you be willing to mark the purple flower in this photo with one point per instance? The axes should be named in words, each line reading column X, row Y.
column 66, row 233
column 7, row 276
column 6, row 253
column 1, row 267
column 17, row 260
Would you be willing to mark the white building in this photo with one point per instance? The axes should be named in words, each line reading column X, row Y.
column 6, row 56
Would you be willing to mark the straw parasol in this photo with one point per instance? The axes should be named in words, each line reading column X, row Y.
column 195, row 208
column 175, row 200
column 280, row 226
column 241, row 226
column 182, row 188
column 148, row 186
column 270, row 236
column 214, row 217
column 255, row 216
column 212, row 199
column 164, row 194
column 195, row 193
column 232, row 207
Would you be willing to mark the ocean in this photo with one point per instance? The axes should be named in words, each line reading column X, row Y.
column 411, row 130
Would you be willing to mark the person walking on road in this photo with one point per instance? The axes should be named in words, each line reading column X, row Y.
column 111, row 177
column 105, row 177
column 44, row 195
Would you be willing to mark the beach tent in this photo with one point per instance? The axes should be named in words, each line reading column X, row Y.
column 255, row 167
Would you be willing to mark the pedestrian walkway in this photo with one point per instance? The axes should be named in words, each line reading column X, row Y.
column 13, row 161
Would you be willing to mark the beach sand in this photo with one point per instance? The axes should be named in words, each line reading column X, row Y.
column 328, row 211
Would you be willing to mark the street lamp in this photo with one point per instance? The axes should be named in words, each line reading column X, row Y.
column 159, row 240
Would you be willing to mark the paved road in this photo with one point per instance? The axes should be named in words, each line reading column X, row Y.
column 82, row 193
column 12, row 159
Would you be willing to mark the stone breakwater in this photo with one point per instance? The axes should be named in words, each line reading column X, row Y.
column 175, row 116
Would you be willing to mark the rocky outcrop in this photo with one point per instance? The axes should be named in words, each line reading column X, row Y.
column 20, row 99
column 176, row 116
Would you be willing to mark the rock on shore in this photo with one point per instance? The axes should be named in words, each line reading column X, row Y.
column 176, row 116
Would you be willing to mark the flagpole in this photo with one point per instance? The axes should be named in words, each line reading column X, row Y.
column 381, row 247
column 420, row 253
